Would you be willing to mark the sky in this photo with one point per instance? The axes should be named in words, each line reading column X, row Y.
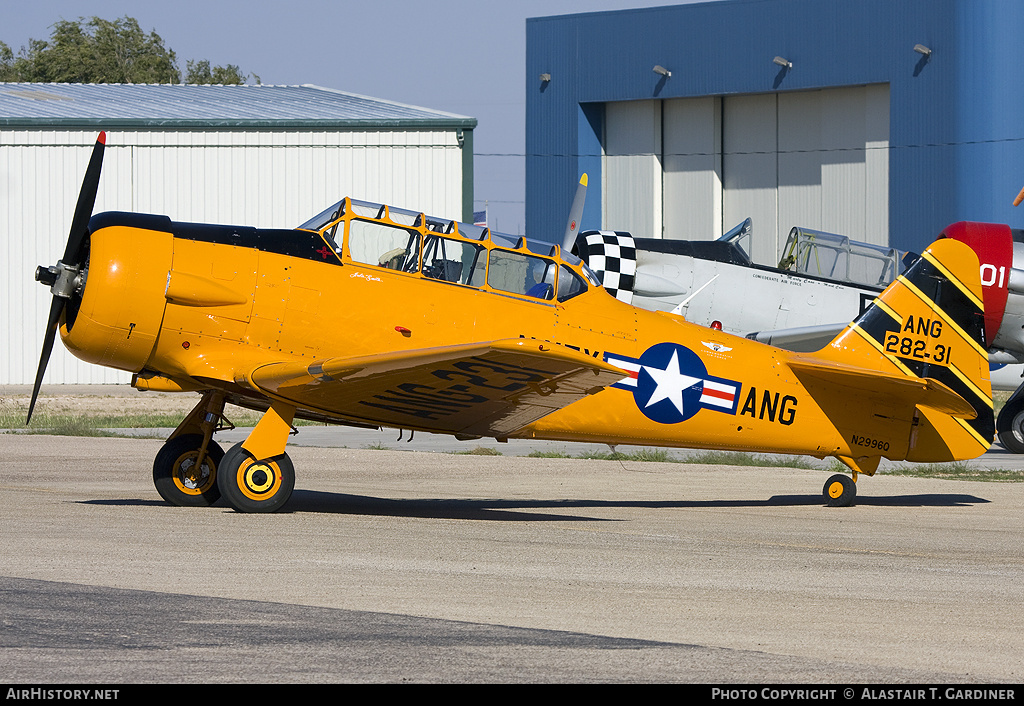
column 460, row 56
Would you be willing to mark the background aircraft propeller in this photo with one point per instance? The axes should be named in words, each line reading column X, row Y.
column 65, row 278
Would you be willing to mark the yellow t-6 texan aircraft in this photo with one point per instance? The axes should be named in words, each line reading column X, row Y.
column 374, row 316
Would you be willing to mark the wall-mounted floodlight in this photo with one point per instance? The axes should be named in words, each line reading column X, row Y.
column 545, row 78
column 662, row 71
column 784, row 63
column 922, row 49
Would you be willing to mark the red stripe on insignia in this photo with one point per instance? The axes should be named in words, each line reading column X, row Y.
column 728, row 396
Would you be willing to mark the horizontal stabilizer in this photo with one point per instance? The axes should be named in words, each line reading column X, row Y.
column 898, row 389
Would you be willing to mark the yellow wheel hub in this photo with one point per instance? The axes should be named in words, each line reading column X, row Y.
column 259, row 480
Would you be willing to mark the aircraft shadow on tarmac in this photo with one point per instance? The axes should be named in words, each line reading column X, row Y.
column 498, row 509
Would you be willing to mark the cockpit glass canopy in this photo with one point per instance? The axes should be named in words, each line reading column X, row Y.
column 412, row 242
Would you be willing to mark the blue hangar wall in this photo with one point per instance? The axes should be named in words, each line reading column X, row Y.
column 956, row 117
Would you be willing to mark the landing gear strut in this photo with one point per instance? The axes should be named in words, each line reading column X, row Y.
column 185, row 469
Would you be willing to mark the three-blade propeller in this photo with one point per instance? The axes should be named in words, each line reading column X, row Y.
column 65, row 278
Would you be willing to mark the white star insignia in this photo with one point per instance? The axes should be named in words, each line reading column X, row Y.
column 670, row 383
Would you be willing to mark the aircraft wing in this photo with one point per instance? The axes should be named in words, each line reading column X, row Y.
column 923, row 392
column 484, row 389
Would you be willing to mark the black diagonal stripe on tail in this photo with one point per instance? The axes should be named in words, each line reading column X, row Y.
column 949, row 296
column 877, row 322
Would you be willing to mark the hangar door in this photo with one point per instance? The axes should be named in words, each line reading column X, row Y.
column 692, row 168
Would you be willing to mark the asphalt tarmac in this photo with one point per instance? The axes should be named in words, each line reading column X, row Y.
column 415, row 566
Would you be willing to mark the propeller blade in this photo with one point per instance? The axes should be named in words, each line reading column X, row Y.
column 86, row 201
column 56, row 309
column 79, row 229
column 575, row 215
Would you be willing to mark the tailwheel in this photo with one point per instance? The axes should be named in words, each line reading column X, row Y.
column 839, row 491
column 180, row 477
column 255, row 485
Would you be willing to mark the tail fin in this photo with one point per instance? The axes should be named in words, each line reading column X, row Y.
column 575, row 215
column 930, row 325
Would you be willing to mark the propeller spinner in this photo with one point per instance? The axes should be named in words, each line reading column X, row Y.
column 65, row 278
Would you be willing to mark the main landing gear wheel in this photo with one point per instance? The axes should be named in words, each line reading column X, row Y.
column 839, row 491
column 178, row 478
column 1010, row 426
column 255, row 485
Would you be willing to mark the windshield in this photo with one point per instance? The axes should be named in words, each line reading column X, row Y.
column 324, row 217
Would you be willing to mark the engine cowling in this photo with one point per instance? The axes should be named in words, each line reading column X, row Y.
column 1000, row 250
column 117, row 320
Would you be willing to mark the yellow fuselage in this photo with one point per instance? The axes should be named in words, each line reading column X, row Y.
column 190, row 314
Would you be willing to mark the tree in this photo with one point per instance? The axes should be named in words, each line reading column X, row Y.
column 104, row 51
column 7, row 70
column 201, row 73
column 98, row 51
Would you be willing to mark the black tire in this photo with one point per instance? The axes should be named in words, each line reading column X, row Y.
column 839, row 491
column 255, row 485
column 1010, row 426
column 175, row 476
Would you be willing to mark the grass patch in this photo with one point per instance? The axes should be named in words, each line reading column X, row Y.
column 82, row 425
column 656, row 455
column 67, row 426
column 716, row 458
column 86, row 424
column 740, row 458
column 43, row 423
column 837, row 466
column 955, row 471
column 479, row 451
column 999, row 398
column 605, row 456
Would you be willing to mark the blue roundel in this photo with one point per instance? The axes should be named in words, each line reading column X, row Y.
column 670, row 383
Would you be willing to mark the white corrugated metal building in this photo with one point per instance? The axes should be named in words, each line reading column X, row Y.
column 265, row 156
